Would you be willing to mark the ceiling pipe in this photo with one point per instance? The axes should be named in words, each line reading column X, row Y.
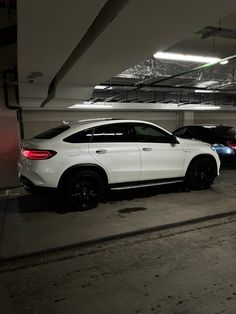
column 112, row 97
column 104, row 18
column 170, row 95
column 172, row 88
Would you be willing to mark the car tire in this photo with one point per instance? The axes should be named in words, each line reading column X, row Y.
column 84, row 189
column 201, row 174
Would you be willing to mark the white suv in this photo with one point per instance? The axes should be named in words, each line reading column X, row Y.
column 82, row 159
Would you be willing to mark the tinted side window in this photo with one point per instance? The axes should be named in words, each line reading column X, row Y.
column 113, row 133
column 52, row 132
column 203, row 134
column 148, row 133
column 192, row 133
column 80, row 137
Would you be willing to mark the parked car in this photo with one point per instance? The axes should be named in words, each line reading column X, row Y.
column 83, row 159
column 221, row 137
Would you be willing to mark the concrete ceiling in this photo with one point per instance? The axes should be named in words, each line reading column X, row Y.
column 214, row 46
column 48, row 31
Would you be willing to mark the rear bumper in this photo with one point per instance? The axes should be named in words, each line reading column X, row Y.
column 39, row 174
column 32, row 188
column 26, row 182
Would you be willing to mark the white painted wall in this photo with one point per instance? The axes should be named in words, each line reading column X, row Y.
column 188, row 117
column 38, row 121
column 227, row 118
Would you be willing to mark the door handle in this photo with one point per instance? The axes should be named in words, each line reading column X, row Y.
column 101, row 151
column 147, row 149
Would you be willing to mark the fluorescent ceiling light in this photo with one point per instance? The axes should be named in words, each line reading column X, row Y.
column 205, row 107
column 183, row 57
column 224, row 62
column 206, row 84
column 88, row 105
column 207, row 91
column 199, row 107
column 100, row 87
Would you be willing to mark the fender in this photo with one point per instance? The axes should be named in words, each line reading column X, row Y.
column 89, row 166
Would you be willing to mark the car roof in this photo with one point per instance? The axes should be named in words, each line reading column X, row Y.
column 102, row 121
column 90, row 123
column 81, row 125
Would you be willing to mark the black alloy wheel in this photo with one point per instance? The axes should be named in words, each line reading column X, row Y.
column 84, row 189
column 201, row 173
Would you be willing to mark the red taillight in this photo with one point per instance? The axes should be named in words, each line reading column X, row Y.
column 231, row 144
column 38, row 154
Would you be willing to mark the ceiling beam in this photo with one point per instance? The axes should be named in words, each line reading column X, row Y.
column 105, row 17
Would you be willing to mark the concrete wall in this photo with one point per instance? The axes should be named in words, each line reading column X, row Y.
column 227, row 118
column 38, row 121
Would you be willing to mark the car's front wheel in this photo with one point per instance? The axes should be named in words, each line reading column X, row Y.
column 201, row 173
column 84, row 189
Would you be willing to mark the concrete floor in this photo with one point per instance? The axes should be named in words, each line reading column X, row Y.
column 184, row 269
column 187, row 270
column 33, row 223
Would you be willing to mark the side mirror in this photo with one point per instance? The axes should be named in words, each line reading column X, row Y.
column 173, row 139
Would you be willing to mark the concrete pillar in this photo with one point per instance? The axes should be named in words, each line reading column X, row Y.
column 9, row 145
column 179, row 119
column 188, row 118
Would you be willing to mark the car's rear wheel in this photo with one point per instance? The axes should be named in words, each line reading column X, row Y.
column 84, row 189
column 201, row 173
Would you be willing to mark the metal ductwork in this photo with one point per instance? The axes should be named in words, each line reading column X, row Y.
column 172, row 82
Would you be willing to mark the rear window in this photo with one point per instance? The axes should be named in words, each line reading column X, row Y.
column 223, row 131
column 52, row 132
